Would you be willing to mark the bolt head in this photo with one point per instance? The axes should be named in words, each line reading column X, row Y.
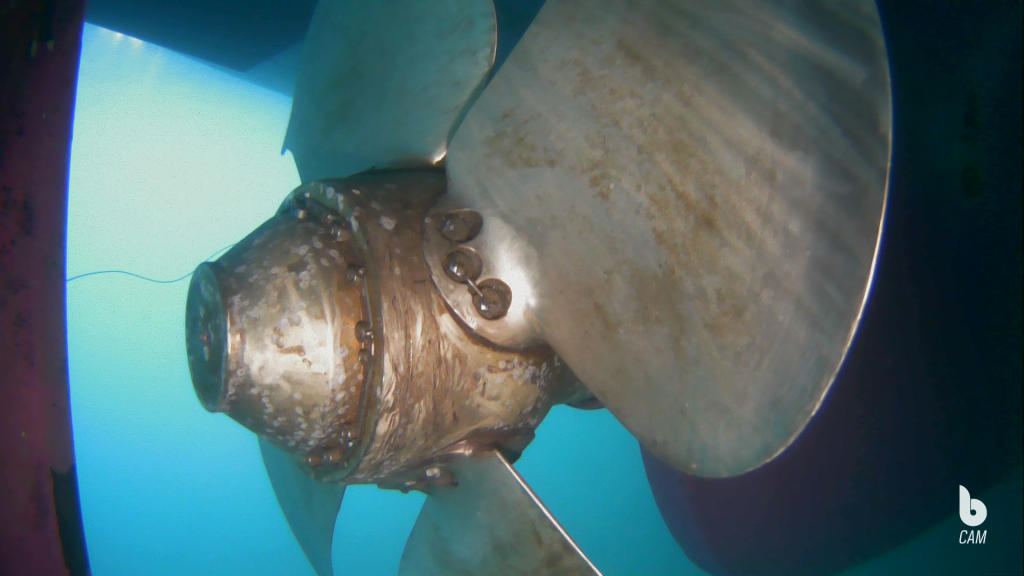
column 461, row 225
column 493, row 300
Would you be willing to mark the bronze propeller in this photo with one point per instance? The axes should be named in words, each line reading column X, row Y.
column 668, row 208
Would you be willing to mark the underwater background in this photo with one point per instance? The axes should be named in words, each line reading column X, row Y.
column 173, row 160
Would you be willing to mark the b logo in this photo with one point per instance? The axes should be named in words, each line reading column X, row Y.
column 972, row 510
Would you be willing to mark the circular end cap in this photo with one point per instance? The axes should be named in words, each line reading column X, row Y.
column 206, row 334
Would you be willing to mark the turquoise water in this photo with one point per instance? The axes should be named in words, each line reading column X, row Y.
column 173, row 160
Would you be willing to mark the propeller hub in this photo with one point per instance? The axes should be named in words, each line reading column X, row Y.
column 322, row 332
column 279, row 334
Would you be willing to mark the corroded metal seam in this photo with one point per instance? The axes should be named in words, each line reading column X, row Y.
column 323, row 200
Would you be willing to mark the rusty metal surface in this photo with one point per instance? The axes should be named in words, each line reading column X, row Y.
column 438, row 384
column 698, row 188
column 382, row 84
column 490, row 523
column 272, row 337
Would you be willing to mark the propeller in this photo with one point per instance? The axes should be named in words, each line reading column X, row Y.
column 310, row 507
column 696, row 192
column 480, row 525
column 669, row 207
column 382, row 84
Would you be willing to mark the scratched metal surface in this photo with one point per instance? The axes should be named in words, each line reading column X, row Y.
column 703, row 185
column 437, row 385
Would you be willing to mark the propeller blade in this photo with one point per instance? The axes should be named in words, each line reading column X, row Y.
column 311, row 507
column 382, row 84
column 490, row 523
column 696, row 192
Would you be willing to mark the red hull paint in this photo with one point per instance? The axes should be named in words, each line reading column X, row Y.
column 41, row 528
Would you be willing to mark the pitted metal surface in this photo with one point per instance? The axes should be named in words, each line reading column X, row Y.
column 322, row 332
column 273, row 337
column 439, row 385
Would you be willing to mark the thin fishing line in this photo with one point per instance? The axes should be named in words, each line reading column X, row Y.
column 146, row 278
